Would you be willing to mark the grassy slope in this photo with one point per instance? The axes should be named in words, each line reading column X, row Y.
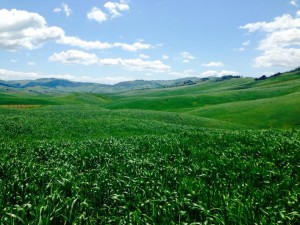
column 91, row 165
column 273, row 102
column 20, row 98
column 269, row 103
column 279, row 112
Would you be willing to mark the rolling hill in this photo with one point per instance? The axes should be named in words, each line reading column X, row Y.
column 51, row 85
column 157, row 156
column 245, row 102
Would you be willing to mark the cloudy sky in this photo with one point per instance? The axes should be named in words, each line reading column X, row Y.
column 111, row 41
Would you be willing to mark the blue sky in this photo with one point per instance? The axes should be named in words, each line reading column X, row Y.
column 109, row 41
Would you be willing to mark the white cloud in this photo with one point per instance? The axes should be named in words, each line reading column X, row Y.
column 74, row 57
column 141, row 65
column 281, row 39
column 79, row 57
column 280, row 23
column 246, row 43
column 97, row 15
column 88, row 45
column 57, row 10
column 64, row 8
column 213, row 64
column 31, row 63
column 243, row 48
column 209, row 73
column 26, row 30
column 294, row 3
column 186, row 57
column 228, row 72
column 298, row 13
column 21, row 29
column 115, row 8
column 185, row 73
column 165, row 57
column 144, row 56
column 281, row 57
column 214, row 73
column 17, row 75
column 133, row 47
column 281, row 45
column 109, row 61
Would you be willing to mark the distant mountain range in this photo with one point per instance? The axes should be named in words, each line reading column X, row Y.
column 51, row 85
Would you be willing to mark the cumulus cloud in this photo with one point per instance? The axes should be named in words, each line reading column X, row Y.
column 64, row 8
column 115, row 8
column 294, row 2
column 281, row 57
column 186, row 57
column 88, row 45
column 74, row 57
column 280, row 47
column 141, row 65
column 26, row 30
column 17, row 75
column 214, row 73
column 21, row 29
column 84, row 58
column 281, row 39
column 97, row 15
column 213, row 64
column 184, row 73
column 228, row 72
column 57, row 10
column 209, row 73
column 283, row 22
column 133, row 47
column 165, row 57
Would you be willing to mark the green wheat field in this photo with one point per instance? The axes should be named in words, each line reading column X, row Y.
column 223, row 152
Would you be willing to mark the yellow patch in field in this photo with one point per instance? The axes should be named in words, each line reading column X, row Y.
column 19, row 106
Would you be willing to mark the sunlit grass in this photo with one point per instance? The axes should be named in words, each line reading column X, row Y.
column 177, row 156
column 57, row 168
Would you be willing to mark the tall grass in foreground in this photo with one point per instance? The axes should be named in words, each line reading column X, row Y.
column 193, row 177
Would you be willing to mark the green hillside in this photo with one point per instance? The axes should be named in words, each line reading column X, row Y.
column 273, row 102
column 57, row 86
column 194, row 154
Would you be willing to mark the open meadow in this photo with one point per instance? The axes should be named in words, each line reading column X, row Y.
column 218, row 152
